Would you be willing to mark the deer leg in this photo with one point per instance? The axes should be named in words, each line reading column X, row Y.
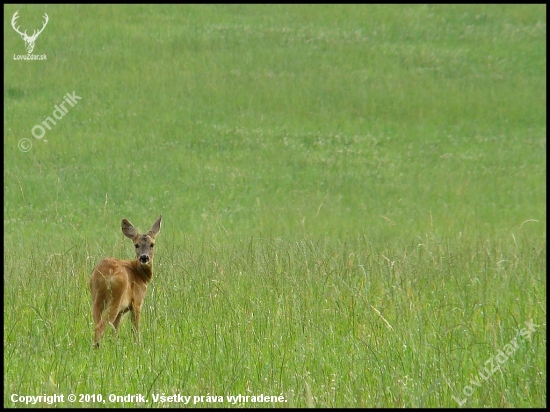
column 136, row 311
column 97, row 309
column 116, row 323
column 113, row 310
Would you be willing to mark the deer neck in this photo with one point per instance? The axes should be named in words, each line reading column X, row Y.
column 144, row 272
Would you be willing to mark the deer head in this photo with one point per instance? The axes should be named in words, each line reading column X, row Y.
column 29, row 40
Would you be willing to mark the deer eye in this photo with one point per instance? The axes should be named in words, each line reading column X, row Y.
column 152, row 244
column 136, row 245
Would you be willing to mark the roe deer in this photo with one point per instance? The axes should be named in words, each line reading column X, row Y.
column 119, row 286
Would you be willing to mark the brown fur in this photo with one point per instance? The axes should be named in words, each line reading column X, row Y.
column 119, row 286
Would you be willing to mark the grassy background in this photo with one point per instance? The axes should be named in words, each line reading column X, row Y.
column 353, row 201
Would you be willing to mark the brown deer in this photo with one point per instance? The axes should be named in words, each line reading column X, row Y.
column 119, row 286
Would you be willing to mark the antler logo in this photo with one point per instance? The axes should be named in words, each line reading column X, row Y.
column 29, row 40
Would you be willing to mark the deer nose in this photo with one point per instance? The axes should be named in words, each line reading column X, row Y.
column 144, row 258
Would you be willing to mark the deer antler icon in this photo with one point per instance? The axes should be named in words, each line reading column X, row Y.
column 29, row 40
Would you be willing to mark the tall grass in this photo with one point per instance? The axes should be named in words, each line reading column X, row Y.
column 353, row 203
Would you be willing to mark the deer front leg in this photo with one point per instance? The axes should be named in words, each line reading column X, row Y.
column 136, row 312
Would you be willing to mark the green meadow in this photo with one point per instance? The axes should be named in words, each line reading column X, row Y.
column 353, row 202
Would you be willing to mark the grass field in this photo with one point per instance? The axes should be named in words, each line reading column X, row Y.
column 353, row 202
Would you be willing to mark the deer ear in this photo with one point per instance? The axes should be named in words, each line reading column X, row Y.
column 155, row 229
column 128, row 229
